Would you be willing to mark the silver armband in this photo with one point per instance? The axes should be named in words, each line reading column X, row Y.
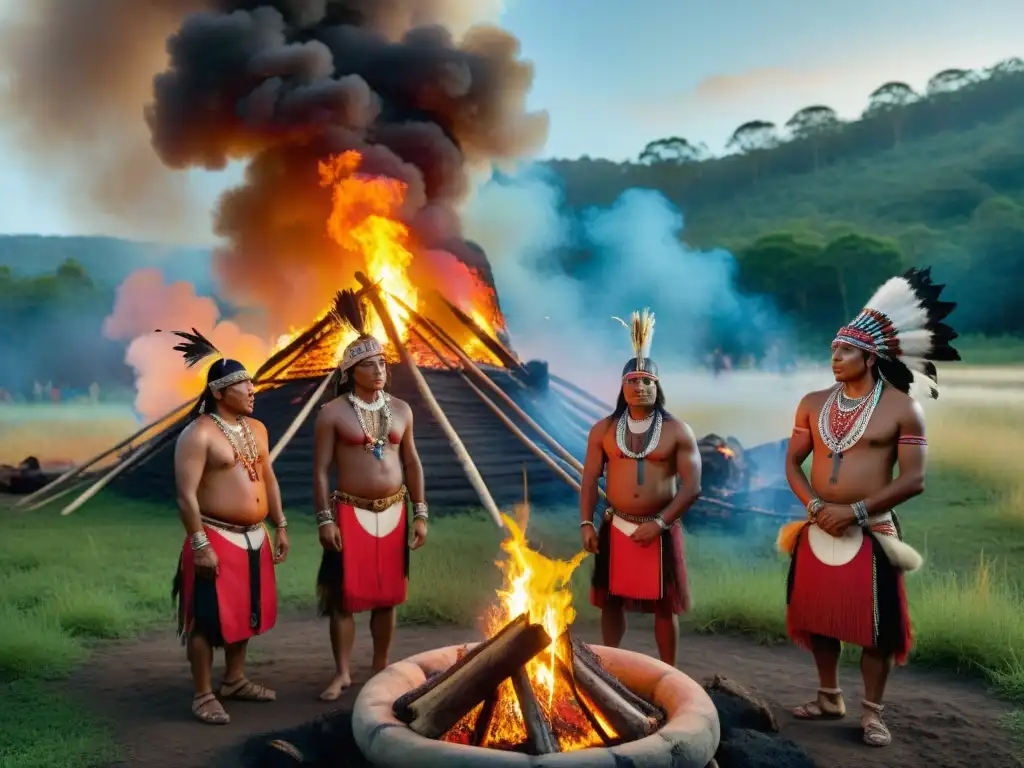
column 661, row 522
column 283, row 524
column 588, row 522
column 199, row 540
column 419, row 511
column 814, row 506
column 324, row 517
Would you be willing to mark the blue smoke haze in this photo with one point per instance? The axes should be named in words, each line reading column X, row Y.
column 630, row 256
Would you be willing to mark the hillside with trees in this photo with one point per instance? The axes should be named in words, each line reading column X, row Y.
column 819, row 210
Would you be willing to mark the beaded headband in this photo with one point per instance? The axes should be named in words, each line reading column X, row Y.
column 360, row 350
column 232, row 378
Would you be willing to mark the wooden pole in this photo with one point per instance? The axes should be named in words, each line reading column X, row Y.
column 79, row 469
column 515, row 430
column 498, row 349
column 76, row 486
column 472, row 473
column 104, row 481
column 468, row 364
column 577, row 390
column 300, row 419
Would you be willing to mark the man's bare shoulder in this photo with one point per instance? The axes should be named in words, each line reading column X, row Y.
column 678, row 428
column 399, row 406
column 600, row 429
column 902, row 404
column 332, row 408
column 257, row 425
column 194, row 432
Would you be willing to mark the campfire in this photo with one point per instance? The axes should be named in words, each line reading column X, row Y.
column 530, row 687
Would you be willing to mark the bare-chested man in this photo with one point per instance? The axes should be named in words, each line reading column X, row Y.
column 846, row 575
column 639, row 565
column 226, row 489
column 367, row 436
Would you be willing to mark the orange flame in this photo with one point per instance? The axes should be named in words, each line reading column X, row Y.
column 727, row 451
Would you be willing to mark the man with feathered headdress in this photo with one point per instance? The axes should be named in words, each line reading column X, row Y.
column 366, row 436
column 848, row 558
column 641, row 450
column 226, row 489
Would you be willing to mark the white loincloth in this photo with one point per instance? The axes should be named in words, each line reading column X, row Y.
column 837, row 551
column 380, row 524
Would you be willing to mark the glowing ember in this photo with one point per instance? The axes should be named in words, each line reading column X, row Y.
column 726, row 451
column 540, row 587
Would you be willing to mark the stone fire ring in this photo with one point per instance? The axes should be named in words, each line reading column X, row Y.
column 689, row 738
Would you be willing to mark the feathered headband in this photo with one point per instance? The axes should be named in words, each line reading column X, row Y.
column 196, row 348
column 641, row 332
column 902, row 325
column 349, row 312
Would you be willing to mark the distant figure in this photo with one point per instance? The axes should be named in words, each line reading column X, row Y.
column 37, row 392
column 718, row 362
column 366, row 436
column 94, row 393
column 848, row 560
column 639, row 564
column 226, row 487
column 55, row 395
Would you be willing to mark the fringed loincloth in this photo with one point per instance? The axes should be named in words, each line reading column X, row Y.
column 372, row 569
column 850, row 588
column 649, row 579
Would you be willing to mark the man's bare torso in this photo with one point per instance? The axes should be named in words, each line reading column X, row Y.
column 869, row 465
column 226, row 492
column 659, row 486
column 359, row 472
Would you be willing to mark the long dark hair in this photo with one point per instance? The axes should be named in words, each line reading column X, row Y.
column 659, row 403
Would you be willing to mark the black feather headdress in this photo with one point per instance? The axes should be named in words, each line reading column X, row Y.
column 195, row 348
column 349, row 312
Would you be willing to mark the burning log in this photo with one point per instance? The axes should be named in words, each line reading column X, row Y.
column 484, row 719
column 437, row 705
column 540, row 738
column 630, row 716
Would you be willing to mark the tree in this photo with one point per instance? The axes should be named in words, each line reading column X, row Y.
column 674, row 149
column 814, row 124
column 949, row 81
column 753, row 139
column 860, row 264
column 787, row 267
column 888, row 102
column 1006, row 68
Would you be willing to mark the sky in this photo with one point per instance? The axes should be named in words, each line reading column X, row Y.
column 613, row 79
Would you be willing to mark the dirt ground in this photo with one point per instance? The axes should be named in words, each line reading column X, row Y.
column 143, row 688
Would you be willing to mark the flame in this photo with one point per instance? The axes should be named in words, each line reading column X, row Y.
column 539, row 587
column 727, row 451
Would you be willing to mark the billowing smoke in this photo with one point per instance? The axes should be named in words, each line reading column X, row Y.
column 144, row 303
column 416, row 86
column 292, row 84
column 629, row 256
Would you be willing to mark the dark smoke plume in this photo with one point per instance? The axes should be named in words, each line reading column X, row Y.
column 285, row 83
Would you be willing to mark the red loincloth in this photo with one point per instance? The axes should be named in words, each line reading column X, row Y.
column 242, row 602
column 649, row 579
column 862, row 602
column 371, row 571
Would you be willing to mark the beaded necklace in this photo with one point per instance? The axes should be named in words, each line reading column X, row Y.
column 376, row 439
column 650, row 441
column 843, row 421
column 247, row 452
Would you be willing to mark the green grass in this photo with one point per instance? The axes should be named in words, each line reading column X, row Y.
column 104, row 573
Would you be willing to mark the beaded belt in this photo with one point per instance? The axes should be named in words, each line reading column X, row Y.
column 373, row 505
column 229, row 527
column 635, row 519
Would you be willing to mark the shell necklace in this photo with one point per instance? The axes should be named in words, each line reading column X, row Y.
column 247, row 452
column 651, row 436
column 376, row 439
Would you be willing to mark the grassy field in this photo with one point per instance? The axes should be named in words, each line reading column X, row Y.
column 69, row 583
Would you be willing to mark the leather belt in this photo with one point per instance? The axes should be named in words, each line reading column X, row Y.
column 371, row 505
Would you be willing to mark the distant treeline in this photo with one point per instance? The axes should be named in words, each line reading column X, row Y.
column 819, row 209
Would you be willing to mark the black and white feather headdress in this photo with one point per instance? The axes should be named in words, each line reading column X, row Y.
column 903, row 326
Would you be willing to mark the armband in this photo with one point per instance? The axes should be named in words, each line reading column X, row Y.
column 912, row 440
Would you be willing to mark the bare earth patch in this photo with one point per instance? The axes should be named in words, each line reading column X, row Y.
column 143, row 689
